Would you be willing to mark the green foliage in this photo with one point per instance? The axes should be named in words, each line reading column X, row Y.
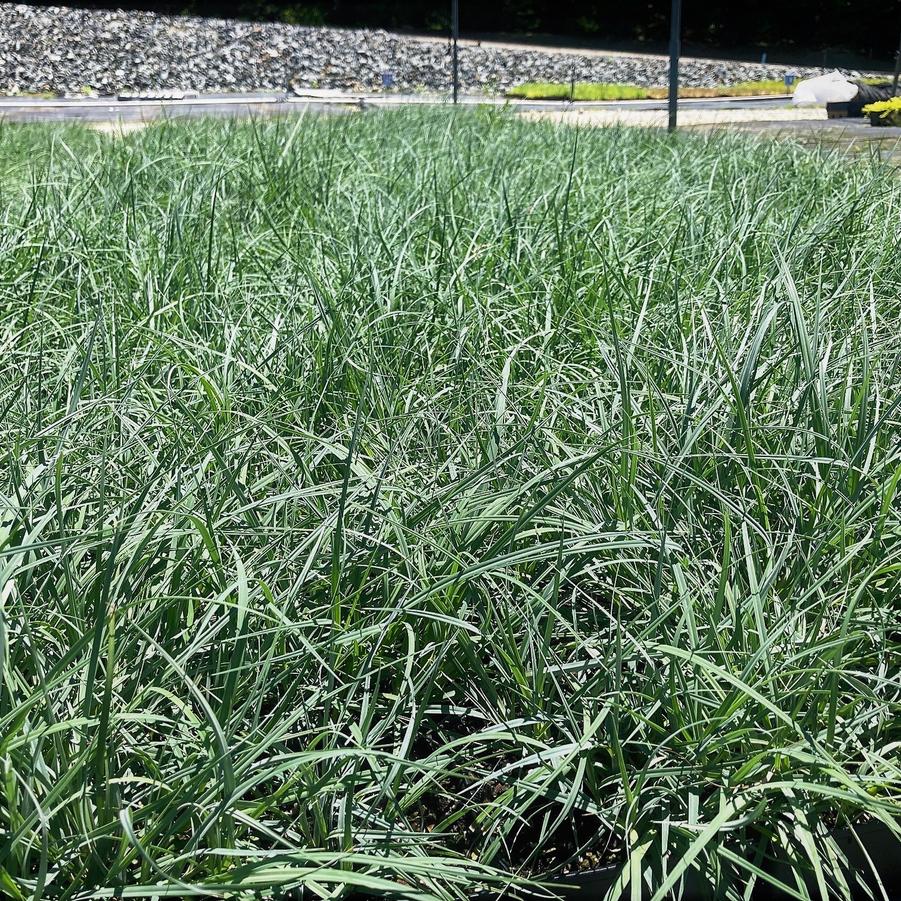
column 602, row 91
column 740, row 89
column 302, row 15
column 290, row 13
column 579, row 91
column 389, row 500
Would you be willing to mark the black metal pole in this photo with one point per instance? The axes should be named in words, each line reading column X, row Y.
column 897, row 70
column 675, row 41
column 455, row 33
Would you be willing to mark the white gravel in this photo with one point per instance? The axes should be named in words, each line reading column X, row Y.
column 60, row 50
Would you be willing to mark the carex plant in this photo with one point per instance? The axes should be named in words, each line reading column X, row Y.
column 408, row 503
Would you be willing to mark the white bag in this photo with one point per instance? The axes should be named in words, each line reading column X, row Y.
column 830, row 88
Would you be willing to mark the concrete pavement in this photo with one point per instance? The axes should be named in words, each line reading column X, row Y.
column 773, row 116
column 111, row 109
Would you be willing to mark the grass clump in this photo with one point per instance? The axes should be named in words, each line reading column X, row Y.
column 391, row 502
column 603, row 91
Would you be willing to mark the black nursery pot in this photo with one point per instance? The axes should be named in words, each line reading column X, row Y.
column 885, row 120
column 875, row 847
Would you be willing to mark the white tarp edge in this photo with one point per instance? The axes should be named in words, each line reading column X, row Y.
column 832, row 87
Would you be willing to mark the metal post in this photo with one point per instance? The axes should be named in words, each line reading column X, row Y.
column 897, row 70
column 455, row 34
column 675, row 33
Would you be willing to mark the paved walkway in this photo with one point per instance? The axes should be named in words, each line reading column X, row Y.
column 767, row 116
column 28, row 109
column 809, row 127
column 687, row 117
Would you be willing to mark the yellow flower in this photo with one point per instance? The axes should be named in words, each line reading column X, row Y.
column 884, row 106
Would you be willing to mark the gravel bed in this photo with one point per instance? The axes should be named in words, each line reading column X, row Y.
column 62, row 50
